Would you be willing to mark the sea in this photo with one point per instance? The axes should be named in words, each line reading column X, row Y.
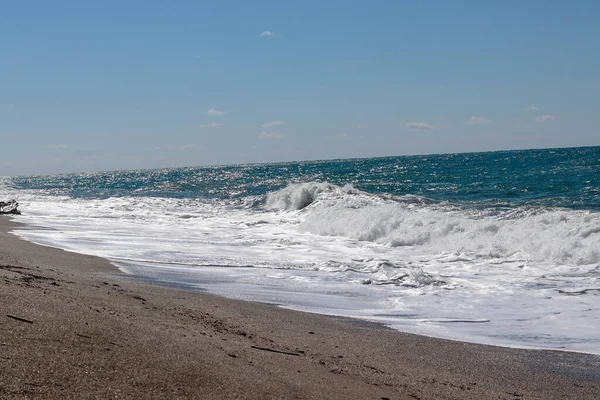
column 499, row 248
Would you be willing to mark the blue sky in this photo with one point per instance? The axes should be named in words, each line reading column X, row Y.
column 110, row 85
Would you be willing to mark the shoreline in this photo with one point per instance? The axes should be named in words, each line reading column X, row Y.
column 146, row 279
column 89, row 331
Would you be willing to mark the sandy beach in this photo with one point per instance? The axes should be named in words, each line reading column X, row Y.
column 74, row 327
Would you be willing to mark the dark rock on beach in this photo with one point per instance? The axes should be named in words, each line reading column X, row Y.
column 9, row 207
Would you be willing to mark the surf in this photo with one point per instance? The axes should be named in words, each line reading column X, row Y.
column 415, row 243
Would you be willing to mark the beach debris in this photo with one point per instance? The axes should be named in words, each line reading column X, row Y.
column 9, row 207
column 19, row 319
column 90, row 337
column 289, row 353
column 83, row 336
column 138, row 297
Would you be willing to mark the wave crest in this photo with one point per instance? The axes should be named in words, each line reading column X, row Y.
column 297, row 196
column 558, row 236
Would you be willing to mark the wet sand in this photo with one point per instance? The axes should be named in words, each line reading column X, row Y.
column 72, row 326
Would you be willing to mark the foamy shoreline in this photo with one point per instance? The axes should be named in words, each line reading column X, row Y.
column 474, row 247
column 95, row 333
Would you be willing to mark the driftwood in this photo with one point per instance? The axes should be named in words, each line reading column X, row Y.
column 275, row 351
column 9, row 207
column 19, row 319
column 83, row 336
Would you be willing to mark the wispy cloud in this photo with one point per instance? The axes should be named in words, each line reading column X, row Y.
column 268, row 34
column 211, row 125
column 214, row 113
column 155, row 148
column 272, row 124
column 269, row 136
column 545, row 118
column 420, row 126
column 191, row 146
column 478, row 120
column 55, row 146
column 343, row 134
column 532, row 108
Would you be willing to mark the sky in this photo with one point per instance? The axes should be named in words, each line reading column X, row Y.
column 129, row 84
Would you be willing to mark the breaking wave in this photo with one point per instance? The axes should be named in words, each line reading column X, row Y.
column 531, row 234
column 297, row 196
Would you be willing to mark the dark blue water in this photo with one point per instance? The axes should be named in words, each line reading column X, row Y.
column 567, row 178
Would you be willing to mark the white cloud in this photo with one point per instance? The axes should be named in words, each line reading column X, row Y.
column 478, row 120
column 269, row 136
column 421, row 126
column 343, row 134
column 155, row 148
column 545, row 118
column 55, row 146
column 268, row 34
column 211, row 125
column 272, row 124
column 532, row 108
column 191, row 146
column 214, row 113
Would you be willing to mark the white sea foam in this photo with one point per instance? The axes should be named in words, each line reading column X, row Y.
column 553, row 236
column 525, row 277
column 297, row 196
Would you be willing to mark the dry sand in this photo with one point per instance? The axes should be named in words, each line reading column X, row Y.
column 88, row 331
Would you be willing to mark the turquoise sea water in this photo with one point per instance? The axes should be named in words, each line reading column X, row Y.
column 500, row 247
column 555, row 178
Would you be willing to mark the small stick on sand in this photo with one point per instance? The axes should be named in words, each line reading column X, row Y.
column 275, row 351
column 83, row 336
column 19, row 319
